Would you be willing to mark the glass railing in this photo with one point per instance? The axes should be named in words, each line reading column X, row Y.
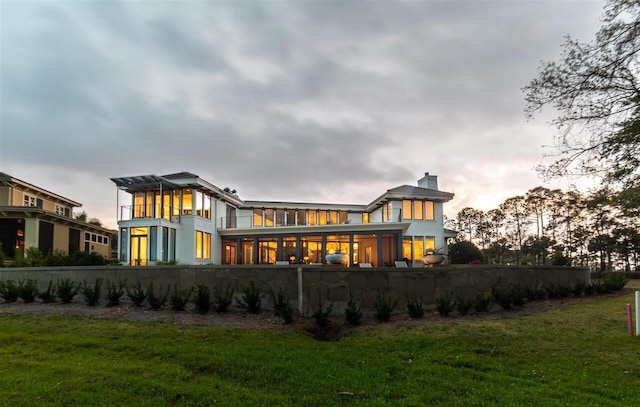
column 246, row 222
column 129, row 212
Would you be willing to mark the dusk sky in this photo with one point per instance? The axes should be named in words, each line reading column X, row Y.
column 307, row 101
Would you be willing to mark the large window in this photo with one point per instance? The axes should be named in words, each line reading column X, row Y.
column 203, row 245
column 418, row 213
column 428, row 210
column 187, row 202
column 406, row 209
column 302, row 217
column 257, row 217
column 268, row 217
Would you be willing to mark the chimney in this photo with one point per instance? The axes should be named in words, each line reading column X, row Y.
column 428, row 181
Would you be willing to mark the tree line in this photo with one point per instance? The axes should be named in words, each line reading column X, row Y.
column 551, row 226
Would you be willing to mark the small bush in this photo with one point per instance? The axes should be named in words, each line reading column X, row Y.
column 202, row 299
column 92, row 294
column 384, row 306
column 518, row 294
column 353, row 313
column 615, row 281
column 557, row 290
column 320, row 314
column 464, row 304
column 115, row 293
column 137, row 294
column 49, row 295
column 9, row 291
column 157, row 301
column 444, row 303
column 503, row 296
column 66, row 290
column 28, row 290
column 179, row 299
column 251, row 298
column 223, row 299
column 535, row 292
column 578, row 289
column 282, row 306
column 414, row 306
column 482, row 302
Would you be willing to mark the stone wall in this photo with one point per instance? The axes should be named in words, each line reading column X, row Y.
column 305, row 285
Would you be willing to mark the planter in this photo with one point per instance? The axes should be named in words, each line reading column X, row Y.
column 337, row 258
column 431, row 259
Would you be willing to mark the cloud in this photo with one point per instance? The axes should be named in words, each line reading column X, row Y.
column 305, row 101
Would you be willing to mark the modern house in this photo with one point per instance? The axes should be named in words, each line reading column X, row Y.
column 31, row 216
column 185, row 219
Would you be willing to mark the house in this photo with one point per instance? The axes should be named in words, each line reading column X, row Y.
column 185, row 219
column 31, row 216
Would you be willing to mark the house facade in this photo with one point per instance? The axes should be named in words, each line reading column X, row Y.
column 184, row 219
column 31, row 216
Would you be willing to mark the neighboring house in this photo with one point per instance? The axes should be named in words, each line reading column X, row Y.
column 34, row 217
column 185, row 219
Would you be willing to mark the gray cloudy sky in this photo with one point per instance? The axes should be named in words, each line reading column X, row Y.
column 328, row 101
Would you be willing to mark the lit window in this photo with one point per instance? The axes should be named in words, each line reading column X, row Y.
column 365, row 217
column 203, row 245
column 428, row 210
column 417, row 210
column 406, row 209
column 257, row 217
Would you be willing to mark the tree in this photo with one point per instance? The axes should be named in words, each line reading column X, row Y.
column 464, row 252
column 595, row 90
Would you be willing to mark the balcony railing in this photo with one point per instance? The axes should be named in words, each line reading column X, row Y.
column 246, row 222
column 129, row 212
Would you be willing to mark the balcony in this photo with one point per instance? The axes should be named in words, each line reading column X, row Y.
column 246, row 222
column 130, row 212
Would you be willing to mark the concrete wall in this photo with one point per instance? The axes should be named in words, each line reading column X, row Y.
column 331, row 284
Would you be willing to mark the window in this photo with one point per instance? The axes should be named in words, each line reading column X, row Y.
column 199, row 204
column 207, row 206
column 138, row 205
column 313, row 218
column 365, row 217
column 268, row 217
column 279, row 217
column 176, row 203
column 302, row 217
column 60, row 210
column 343, row 217
column 333, row 217
column 406, row 209
column 386, row 212
column 203, row 245
column 231, row 217
column 428, row 210
column 153, row 243
column 291, row 217
column 257, row 217
column 322, row 217
column 31, row 201
column 417, row 210
column 187, row 202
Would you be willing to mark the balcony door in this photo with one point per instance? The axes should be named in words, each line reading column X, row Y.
column 139, row 246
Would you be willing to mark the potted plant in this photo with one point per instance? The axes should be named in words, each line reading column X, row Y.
column 432, row 257
column 337, row 257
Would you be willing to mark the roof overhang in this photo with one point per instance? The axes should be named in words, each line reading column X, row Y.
column 142, row 183
column 15, row 212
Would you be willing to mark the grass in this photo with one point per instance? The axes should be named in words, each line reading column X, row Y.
column 580, row 355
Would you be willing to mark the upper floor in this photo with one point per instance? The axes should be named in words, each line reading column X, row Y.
column 17, row 193
column 173, row 197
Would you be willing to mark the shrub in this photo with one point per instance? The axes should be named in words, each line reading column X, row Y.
column 157, row 301
column 114, row 293
column 137, row 294
column 28, row 290
column 1, row 258
column 49, row 295
column 615, row 281
column 66, row 290
column 578, row 289
column 444, row 303
column 34, row 257
column 179, row 300
column 557, row 290
column 518, row 294
column 9, row 291
column 281, row 306
column 81, row 258
column 482, row 302
column 320, row 314
column 92, row 294
column 251, row 298
column 353, row 313
column 414, row 306
column 384, row 306
column 57, row 258
column 503, row 296
column 535, row 292
column 223, row 299
column 464, row 304
column 202, row 300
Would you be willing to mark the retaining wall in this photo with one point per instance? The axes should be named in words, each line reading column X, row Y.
column 305, row 285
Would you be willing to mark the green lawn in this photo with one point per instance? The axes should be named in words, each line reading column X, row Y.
column 580, row 355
